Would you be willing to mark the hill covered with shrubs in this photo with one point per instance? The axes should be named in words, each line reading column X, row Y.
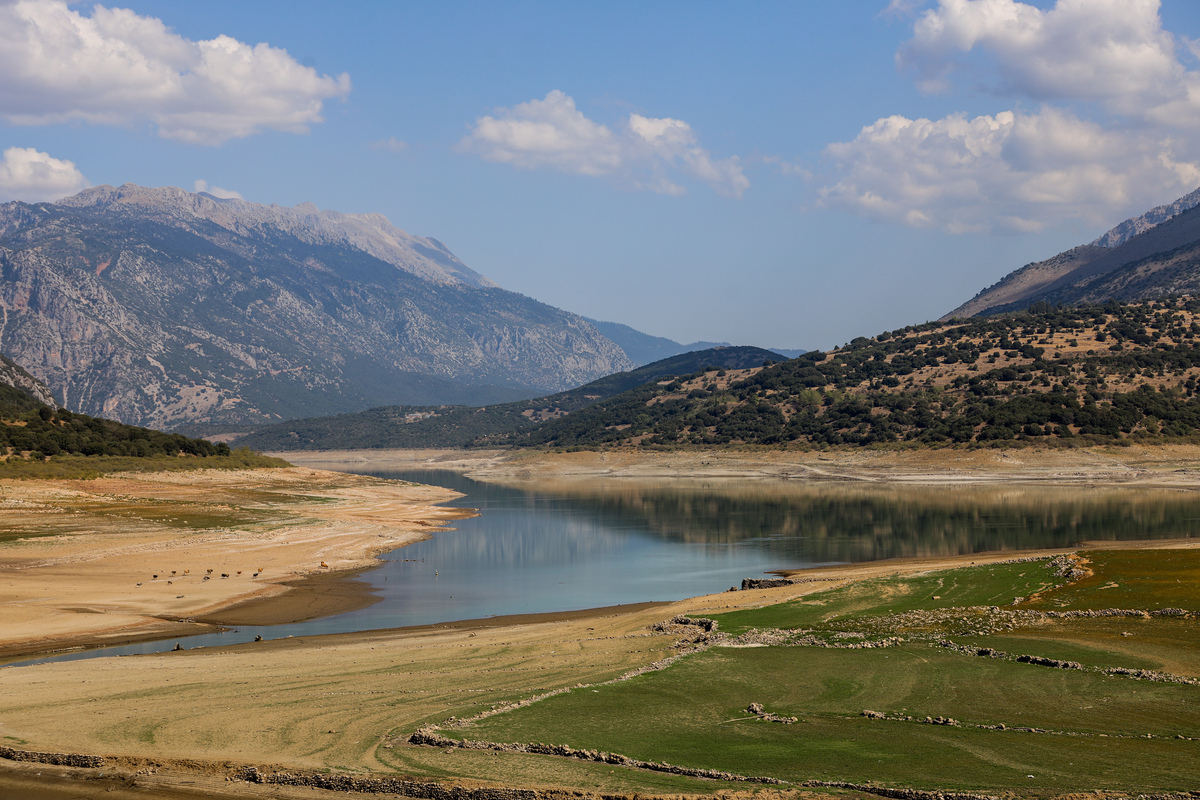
column 466, row 426
column 1098, row 373
column 40, row 440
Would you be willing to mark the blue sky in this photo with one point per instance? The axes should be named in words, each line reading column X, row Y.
column 782, row 174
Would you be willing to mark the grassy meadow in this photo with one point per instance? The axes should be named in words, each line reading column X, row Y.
column 1005, row 724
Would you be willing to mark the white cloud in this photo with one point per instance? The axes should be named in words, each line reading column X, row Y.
column 1114, row 130
column 118, row 68
column 1111, row 52
column 217, row 191
column 33, row 176
column 1011, row 171
column 644, row 152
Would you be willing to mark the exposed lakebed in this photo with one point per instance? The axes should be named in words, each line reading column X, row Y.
column 603, row 542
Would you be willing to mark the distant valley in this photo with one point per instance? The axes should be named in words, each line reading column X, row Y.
column 462, row 426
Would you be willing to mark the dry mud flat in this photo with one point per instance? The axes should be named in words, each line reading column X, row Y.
column 1158, row 465
column 152, row 555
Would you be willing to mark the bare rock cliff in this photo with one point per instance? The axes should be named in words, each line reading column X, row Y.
column 160, row 307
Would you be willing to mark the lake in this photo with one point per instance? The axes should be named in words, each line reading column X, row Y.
column 584, row 544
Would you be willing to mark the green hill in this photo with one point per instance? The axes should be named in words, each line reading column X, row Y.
column 1091, row 373
column 461, row 426
column 41, row 440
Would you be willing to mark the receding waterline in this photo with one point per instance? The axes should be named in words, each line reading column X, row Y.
column 611, row 542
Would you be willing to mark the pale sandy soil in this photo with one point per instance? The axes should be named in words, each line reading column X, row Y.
column 1158, row 465
column 135, row 555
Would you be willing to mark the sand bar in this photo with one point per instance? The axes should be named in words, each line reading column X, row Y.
column 144, row 556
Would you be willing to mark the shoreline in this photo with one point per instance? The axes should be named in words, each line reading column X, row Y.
column 145, row 557
column 349, row 667
column 1166, row 465
column 293, row 594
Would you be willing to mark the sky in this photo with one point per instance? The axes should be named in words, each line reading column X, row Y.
column 782, row 174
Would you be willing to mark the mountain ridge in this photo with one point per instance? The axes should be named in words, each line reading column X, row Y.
column 1099, row 270
column 161, row 307
column 457, row 426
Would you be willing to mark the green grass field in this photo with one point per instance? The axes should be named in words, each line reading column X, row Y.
column 1099, row 731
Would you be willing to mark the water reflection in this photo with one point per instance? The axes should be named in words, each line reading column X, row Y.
column 806, row 523
column 584, row 544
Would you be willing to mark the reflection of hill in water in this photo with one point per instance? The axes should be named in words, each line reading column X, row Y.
column 798, row 523
column 839, row 522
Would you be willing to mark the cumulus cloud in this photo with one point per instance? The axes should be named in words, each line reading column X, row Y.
column 217, row 191
column 1114, row 128
column 1011, row 171
column 645, row 152
column 34, row 177
column 1111, row 52
column 118, row 68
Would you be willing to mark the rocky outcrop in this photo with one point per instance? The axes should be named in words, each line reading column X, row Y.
column 14, row 375
column 1156, row 216
column 160, row 307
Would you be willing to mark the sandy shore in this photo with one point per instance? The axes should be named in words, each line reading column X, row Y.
column 144, row 556
column 1157, row 465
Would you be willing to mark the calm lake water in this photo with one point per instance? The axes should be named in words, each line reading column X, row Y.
column 577, row 545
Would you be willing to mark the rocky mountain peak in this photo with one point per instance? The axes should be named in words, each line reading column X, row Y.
column 162, row 307
column 1155, row 216
column 426, row 258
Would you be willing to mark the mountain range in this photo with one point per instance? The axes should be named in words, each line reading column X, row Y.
column 1151, row 256
column 462, row 426
column 161, row 307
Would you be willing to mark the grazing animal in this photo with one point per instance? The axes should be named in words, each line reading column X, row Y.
column 258, row 638
column 170, row 582
column 323, row 564
column 186, row 571
column 210, row 572
column 239, row 572
column 139, row 584
column 255, row 575
column 172, row 572
column 154, row 576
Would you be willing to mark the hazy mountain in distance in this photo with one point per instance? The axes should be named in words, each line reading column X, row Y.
column 163, row 307
column 457, row 426
column 642, row 348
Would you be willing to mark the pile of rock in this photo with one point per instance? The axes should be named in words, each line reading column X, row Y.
column 765, row 716
column 57, row 759
column 430, row 738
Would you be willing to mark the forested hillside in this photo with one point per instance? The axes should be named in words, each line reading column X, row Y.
column 1094, row 373
column 461, row 426
column 41, row 440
